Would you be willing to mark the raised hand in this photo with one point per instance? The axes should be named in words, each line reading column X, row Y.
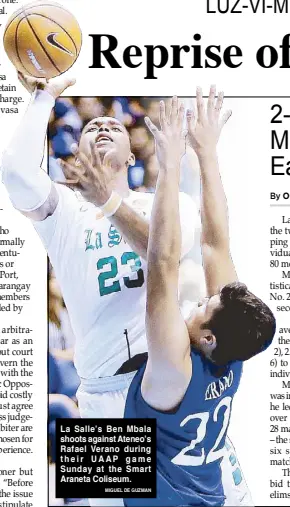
column 205, row 128
column 167, row 140
column 54, row 86
column 90, row 177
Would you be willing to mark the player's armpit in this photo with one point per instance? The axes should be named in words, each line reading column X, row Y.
column 219, row 269
column 59, row 223
column 165, row 389
column 46, row 209
column 168, row 370
column 165, row 382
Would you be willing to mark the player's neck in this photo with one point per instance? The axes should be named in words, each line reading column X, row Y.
column 119, row 183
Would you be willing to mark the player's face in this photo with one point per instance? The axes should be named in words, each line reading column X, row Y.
column 108, row 135
column 201, row 337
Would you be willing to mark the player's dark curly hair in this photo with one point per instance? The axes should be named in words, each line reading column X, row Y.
column 243, row 325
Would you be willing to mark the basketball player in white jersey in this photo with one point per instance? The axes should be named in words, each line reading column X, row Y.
column 98, row 250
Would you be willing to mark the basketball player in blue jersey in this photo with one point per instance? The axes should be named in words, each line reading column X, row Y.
column 194, row 367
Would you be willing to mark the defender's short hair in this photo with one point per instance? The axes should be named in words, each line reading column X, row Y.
column 243, row 325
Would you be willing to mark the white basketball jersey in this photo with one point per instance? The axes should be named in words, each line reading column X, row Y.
column 102, row 280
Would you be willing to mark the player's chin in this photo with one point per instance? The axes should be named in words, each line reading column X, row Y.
column 104, row 148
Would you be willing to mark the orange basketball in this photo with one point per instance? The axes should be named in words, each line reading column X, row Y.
column 42, row 39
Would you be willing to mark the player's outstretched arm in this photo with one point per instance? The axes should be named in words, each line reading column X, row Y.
column 168, row 369
column 203, row 134
column 30, row 188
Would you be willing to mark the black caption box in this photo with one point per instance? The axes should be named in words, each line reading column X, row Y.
column 106, row 458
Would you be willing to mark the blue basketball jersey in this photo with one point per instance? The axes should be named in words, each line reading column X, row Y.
column 190, row 440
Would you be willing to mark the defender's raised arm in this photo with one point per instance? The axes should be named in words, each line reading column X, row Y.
column 167, row 335
column 203, row 135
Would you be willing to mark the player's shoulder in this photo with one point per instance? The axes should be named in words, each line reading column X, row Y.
column 64, row 192
column 147, row 198
column 140, row 197
column 214, row 378
column 72, row 198
column 210, row 368
column 140, row 201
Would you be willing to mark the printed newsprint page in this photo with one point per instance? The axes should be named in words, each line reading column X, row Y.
column 144, row 253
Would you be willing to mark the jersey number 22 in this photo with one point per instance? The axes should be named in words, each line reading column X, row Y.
column 182, row 458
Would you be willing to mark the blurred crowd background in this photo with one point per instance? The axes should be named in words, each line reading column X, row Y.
column 66, row 123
